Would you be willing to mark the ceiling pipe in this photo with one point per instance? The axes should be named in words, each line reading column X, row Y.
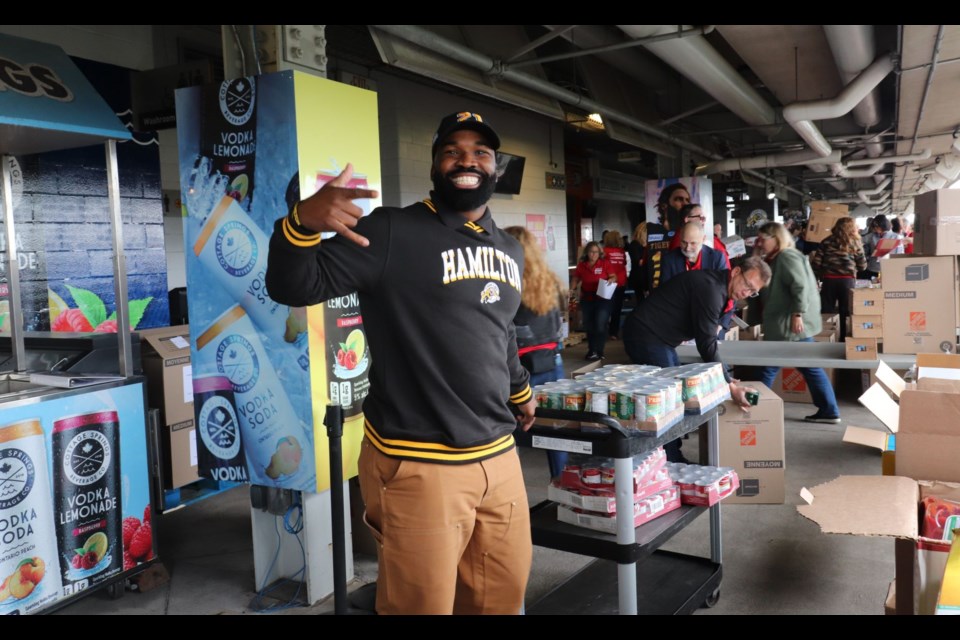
column 853, row 49
column 800, row 115
column 923, row 155
column 459, row 53
column 788, row 159
column 878, row 190
column 698, row 61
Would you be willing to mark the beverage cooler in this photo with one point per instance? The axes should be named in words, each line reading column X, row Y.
column 75, row 497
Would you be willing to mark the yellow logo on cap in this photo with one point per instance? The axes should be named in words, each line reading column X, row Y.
column 463, row 116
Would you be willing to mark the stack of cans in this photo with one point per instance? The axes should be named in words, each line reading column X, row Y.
column 702, row 485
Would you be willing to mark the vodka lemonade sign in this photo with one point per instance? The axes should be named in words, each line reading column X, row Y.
column 74, row 496
column 264, row 372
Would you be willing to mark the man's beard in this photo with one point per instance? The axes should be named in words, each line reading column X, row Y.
column 691, row 257
column 461, row 200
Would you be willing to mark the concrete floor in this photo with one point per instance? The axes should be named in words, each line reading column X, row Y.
column 774, row 560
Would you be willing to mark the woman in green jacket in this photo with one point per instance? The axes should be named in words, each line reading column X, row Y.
column 790, row 307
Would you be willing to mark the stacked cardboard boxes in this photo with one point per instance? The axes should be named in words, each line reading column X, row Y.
column 925, row 463
column 166, row 364
column 921, row 304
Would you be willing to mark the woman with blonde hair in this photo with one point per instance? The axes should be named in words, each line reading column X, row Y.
column 638, row 242
column 836, row 263
column 616, row 259
column 538, row 323
column 591, row 269
column 790, row 307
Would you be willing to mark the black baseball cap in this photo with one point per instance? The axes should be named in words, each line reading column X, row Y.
column 464, row 120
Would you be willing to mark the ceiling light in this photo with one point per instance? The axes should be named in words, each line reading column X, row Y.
column 595, row 118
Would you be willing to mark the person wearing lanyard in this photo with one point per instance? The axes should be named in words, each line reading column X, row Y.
column 692, row 255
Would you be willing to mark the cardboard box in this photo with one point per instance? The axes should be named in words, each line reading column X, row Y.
column 949, row 601
column 867, row 326
column 866, row 302
column 920, row 307
column 830, row 321
column 733, row 333
column 165, row 353
column 791, row 386
column 823, row 215
column 826, row 336
column 861, row 348
column 752, row 442
column 928, row 447
column 936, row 228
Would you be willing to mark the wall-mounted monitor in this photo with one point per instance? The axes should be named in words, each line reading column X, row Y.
column 509, row 173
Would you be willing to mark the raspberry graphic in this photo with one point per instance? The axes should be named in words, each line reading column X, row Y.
column 72, row 320
column 128, row 562
column 76, row 561
column 107, row 326
column 142, row 542
column 147, row 511
column 89, row 560
column 130, row 526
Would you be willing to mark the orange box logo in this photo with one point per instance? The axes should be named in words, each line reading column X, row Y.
column 793, row 381
column 918, row 321
column 748, row 436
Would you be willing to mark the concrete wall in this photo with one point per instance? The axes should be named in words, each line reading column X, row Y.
column 409, row 114
column 129, row 46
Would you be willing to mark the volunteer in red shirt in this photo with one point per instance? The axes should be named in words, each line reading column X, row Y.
column 591, row 269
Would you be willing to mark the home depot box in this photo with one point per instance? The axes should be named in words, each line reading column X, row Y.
column 166, row 364
column 752, row 443
column 928, row 446
column 936, row 228
column 920, row 304
column 866, row 302
column 830, row 321
column 791, row 386
column 751, row 333
column 823, row 215
column 866, row 326
column 733, row 333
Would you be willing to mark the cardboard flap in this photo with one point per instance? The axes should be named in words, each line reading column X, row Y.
column 890, row 379
column 928, row 446
column 865, row 506
column 873, row 438
column 945, row 366
column 882, row 405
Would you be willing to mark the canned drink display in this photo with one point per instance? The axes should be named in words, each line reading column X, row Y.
column 219, row 452
column 29, row 564
column 87, row 497
column 278, row 447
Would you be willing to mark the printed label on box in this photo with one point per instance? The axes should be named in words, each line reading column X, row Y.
column 188, row 384
column 748, row 436
column 193, row 447
column 562, row 444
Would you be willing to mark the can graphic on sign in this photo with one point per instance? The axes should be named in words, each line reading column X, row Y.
column 233, row 249
column 278, row 446
column 218, row 447
column 29, row 569
column 86, row 482
column 229, row 135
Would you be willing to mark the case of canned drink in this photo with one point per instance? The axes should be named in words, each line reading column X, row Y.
column 703, row 486
column 644, row 511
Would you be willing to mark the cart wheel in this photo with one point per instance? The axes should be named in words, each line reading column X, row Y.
column 712, row 600
column 115, row 590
